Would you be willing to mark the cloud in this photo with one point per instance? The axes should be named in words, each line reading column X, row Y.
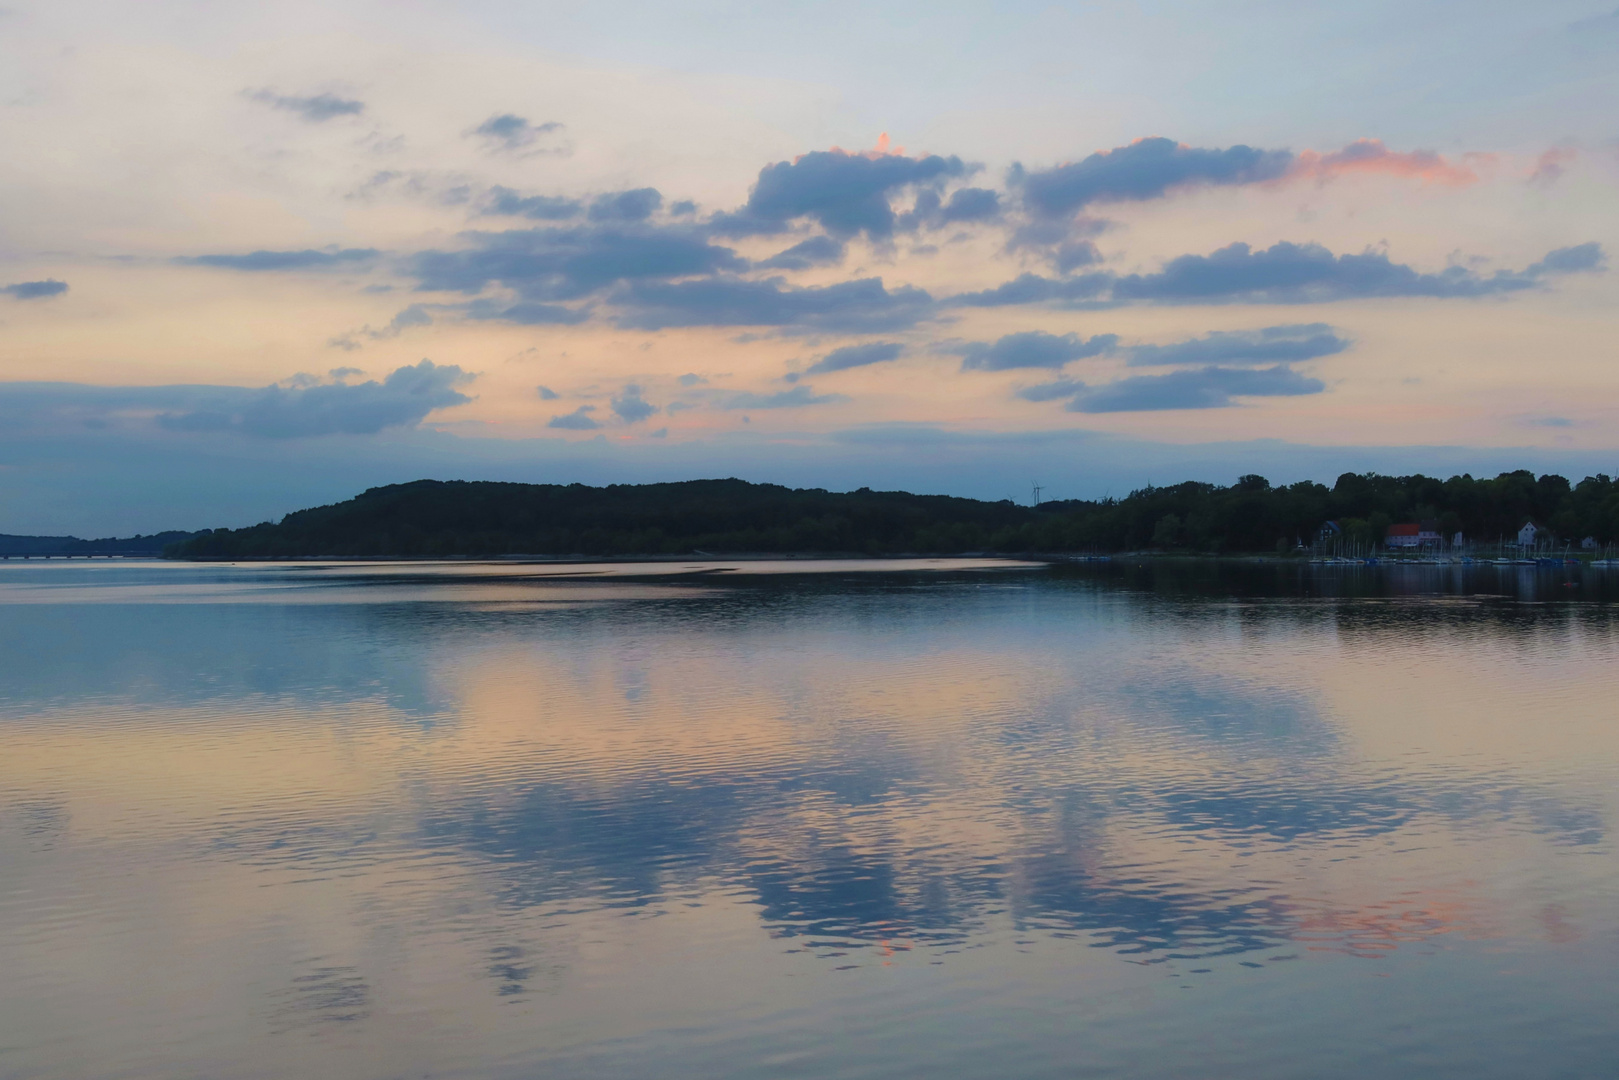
column 1034, row 289
column 1570, row 260
column 1270, row 345
column 1285, row 273
column 1153, row 167
column 546, row 393
column 691, row 379
column 846, row 193
column 1296, row 273
column 315, row 109
column 414, row 315
column 786, row 399
column 35, row 290
column 635, row 205
column 860, row 306
column 1551, row 166
column 1146, row 169
column 308, row 259
column 971, row 204
column 1030, row 349
column 815, row 251
column 1371, row 156
column 570, row 262
column 503, row 201
column 630, row 407
column 1071, row 256
column 1051, row 391
column 301, row 410
column 525, row 313
column 1205, row 388
column 510, row 133
column 965, row 206
column 578, row 420
column 853, row 356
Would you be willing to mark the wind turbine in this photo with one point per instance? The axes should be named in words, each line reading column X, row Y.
column 1037, row 490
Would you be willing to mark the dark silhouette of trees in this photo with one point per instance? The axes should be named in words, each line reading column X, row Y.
column 434, row 518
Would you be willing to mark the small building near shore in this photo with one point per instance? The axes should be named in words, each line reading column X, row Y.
column 1531, row 534
column 1412, row 535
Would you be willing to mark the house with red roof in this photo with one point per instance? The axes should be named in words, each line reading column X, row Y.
column 1412, row 535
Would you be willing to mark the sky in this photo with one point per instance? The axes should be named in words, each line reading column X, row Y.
column 255, row 257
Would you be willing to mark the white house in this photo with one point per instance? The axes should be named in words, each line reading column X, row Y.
column 1527, row 534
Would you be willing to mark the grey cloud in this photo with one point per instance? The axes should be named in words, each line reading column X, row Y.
column 786, row 399
column 1034, row 289
column 525, row 313
column 626, row 206
column 1298, row 273
column 630, row 407
column 853, row 356
column 1271, row 345
column 682, row 208
column 1030, row 349
column 1064, row 241
column 1285, row 273
column 1570, row 260
column 1145, row 169
column 815, row 251
column 570, row 262
column 965, row 206
column 578, row 420
column 414, row 315
column 845, row 193
column 546, row 393
column 1071, row 256
column 1051, row 391
column 403, row 399
column 971, row 204
column 860, row 306
column 35, row 290
column 308, row 259
column 691, row 379
column 503, row 201
column 1204, row 388
column 316, row 108
column 511, row 132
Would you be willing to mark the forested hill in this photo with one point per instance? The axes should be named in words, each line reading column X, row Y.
column 30, row 546
column 430, row 517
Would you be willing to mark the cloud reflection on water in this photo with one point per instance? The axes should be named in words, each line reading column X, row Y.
column 887, row 763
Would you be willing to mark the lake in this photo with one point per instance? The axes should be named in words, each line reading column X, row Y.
column 938, row 818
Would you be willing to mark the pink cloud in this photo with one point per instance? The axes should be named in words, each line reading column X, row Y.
column 881, row 150
column 1371, row 156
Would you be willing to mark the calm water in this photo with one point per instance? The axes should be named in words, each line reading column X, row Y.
column 442, row 821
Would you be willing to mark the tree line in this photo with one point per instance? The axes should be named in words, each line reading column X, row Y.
column 438, row 518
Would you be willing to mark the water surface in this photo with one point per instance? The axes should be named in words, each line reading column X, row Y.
column 744, row 820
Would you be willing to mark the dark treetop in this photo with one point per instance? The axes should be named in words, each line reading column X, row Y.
column 430, row 517
column 154, row 544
